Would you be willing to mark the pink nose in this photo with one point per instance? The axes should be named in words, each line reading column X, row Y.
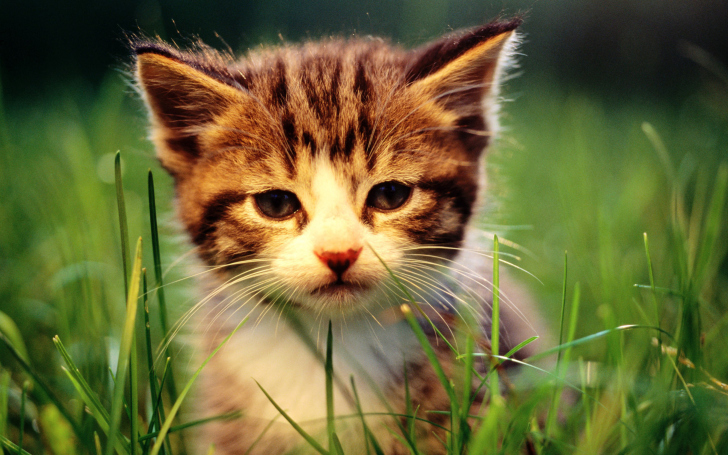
column 339, row 262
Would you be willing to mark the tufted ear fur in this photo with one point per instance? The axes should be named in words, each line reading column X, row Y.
column 462, row 72
column 183, row 98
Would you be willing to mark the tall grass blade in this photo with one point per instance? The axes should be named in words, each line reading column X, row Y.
column 408, row 408
column 175, row 407
column 467, row 387
column 430, row 353
column 329, row 370
column 713, row 224
column 158, row 407
column 43, row 386
column 123, row 226
column 309, row 439
column 368, row 436
column 134, row 396
column 337, row 449
column 11, row 447
column 4, row 392
column 595, row 336
column 22, row 415
column 495, row 318
column 651, row 273
column 94, row 406
column 127, row 341
column 228, row 416
column 159, row 287
column 10, row 330
column 157, row 412
column 554, row 408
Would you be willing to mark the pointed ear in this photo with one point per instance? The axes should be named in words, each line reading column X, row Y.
column 183, row 97
column 461, row 71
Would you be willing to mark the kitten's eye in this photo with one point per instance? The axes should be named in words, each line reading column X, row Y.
column 388, row 195
column 277, row 203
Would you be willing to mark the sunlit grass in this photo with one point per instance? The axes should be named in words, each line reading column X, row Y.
column 635, row 192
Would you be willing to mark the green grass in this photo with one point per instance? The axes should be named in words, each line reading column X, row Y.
column 634, row 191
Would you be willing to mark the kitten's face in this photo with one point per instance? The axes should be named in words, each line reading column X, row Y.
column 297, row 167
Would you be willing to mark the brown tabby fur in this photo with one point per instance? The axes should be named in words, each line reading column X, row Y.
column 228, row 130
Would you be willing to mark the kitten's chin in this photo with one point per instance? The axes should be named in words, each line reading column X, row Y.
column 339, row 298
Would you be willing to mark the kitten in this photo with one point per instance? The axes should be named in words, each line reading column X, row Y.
column 296, row 169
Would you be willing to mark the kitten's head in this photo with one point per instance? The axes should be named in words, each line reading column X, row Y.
column 296, row 166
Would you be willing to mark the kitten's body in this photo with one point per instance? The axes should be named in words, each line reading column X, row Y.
column 298, row 171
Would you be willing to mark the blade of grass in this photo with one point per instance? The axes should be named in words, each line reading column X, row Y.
column 123, row 226
column 148, row 345
column 97, row 411
column 554, row 408
column 4, row 391
column 262, row 433
column 228, row 416
column 10, row 330
column 485, row 439
column 429, row 352
column 158, row 407
column 329, row 370
column 337, row 445
column 125, row 347
column 408, row 409
column 22, row 415
column 309, row 439
column 157, row 411
column 159, row 286
column 593, row 337
column 175, row 408
column 713, row 225
column 652, row 283
column 10, row 446
column 88, row 396
column 508, row 356
column 368, row 436
column 42, row 385
column 495, row 318
column 134, row 396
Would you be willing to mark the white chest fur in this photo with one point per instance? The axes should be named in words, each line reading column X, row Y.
column 290, row 367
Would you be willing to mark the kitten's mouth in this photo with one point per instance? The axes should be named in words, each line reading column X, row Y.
column 339, row 288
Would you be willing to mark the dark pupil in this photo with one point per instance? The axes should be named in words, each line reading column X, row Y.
column 388, row 195
column 277, row 203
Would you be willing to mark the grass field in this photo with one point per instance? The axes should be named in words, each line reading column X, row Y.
column 631, row 191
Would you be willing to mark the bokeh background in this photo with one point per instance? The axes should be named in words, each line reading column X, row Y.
column 574, row 170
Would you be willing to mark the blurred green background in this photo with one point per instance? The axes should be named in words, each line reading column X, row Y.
column 573, row 171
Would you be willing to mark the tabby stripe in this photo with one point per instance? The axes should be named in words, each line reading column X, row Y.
column 311, row 71
column 280, row 87
column 217, row 209
column 289, row 131
column 461, row 194
column 362, row 85
column 310, row 142
column 334, row 97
